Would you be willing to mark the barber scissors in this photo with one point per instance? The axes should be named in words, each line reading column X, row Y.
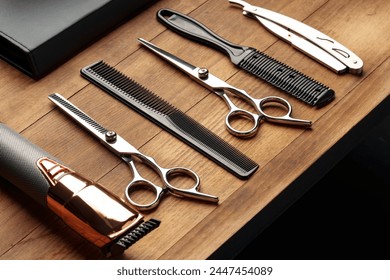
column 220, row 88
column 128, row 153
column 310, row 41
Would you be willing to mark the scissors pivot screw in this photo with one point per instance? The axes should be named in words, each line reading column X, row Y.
column 203, row 73
column 110, row 136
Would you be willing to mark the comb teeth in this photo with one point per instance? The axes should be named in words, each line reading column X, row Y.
column 64, row 103
column 287, row 79
column 133, row 236
column 124, row 84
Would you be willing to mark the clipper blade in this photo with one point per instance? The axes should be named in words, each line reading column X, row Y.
column 131, row 237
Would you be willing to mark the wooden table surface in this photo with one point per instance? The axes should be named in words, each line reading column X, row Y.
column 291, row 159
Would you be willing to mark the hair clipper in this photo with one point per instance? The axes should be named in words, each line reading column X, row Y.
column 88, row 208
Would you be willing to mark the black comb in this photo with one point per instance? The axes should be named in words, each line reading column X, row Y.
column 169, row 118
column 251, row 60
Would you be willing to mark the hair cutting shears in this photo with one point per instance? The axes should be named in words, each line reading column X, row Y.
column 220, row 87
column 128, row 153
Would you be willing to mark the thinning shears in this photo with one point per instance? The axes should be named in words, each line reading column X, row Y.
column 128, row 153
column 310, row 41
column 220, row 88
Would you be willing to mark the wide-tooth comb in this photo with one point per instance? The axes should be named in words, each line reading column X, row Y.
column 169, row 118
column 287, row 79
column 274, row 72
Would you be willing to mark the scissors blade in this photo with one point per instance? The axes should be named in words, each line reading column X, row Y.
column 120, row 146
column 209, row 80
column 322, row 42
column 179, row 63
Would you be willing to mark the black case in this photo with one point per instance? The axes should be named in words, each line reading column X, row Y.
column 37, row 36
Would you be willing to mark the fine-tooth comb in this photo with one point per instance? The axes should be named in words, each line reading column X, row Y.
column 169, row 118
column 255, row 62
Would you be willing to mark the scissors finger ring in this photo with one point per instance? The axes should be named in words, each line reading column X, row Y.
column 244, row 117
column 284, row 119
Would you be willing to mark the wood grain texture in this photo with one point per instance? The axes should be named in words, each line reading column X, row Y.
column 190, row 229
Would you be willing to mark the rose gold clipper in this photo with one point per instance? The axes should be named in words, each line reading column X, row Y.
column 96, row 214
column 88, row 208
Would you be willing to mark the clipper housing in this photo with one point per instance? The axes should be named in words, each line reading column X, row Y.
column 96, row 214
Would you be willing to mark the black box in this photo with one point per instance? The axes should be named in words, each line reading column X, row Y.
column 37, row 36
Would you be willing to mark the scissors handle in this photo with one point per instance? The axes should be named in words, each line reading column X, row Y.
column 192, row 192
column 166, row 175
column 284, row 119
column 255, row 119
